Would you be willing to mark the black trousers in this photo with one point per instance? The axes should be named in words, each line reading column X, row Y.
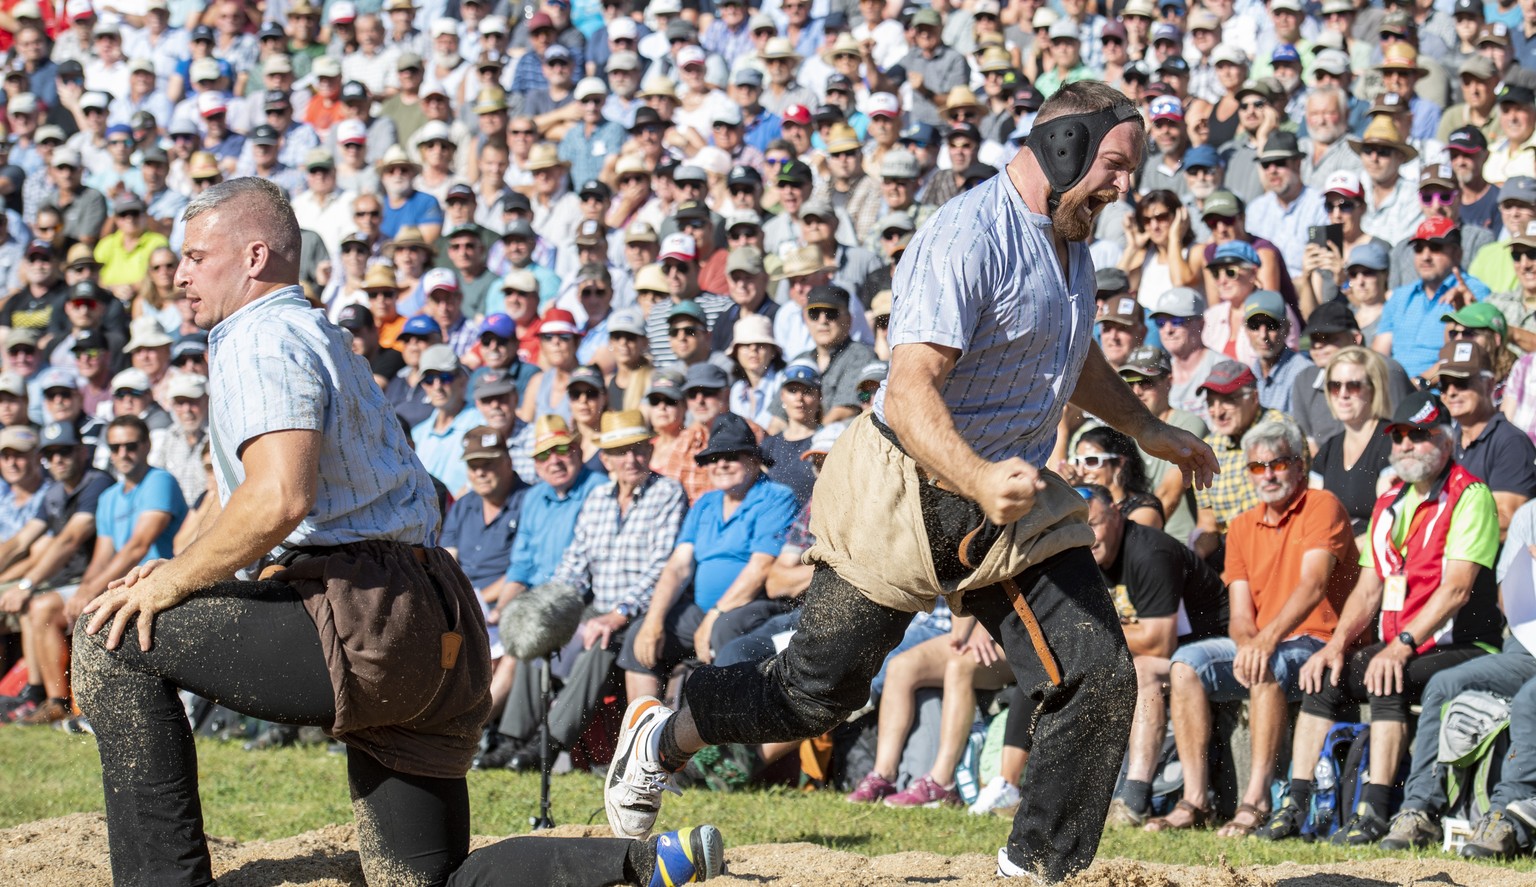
column 1082, row 726
column 251, row 646
column 1332, row 701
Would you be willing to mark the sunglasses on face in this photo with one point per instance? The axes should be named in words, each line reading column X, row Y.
column 429, row 379
column 129, row 447
column 556, row 450
column 367, row 214
column 823, row 313
column 687, row 332
column 1164, row 320
column 1421, row 246
column 1231, row 272
column 1343, row 206
column 127, row 393
column 1352, row 386
column 55, row 455
column 702, row 393
column 90, row 353
column 1095, row 461
column 584, row 393
column 659, row 400
column 724, row 458
column 1271, row 164
column 1452, row 383
column 1259, row 469
column 1155, row 217
column 555, row 337
column 83, row 303
column 1413, row 435
column 1461, row 333
column 58, row 394
column 1436, row 197
column 1213, row 221
column 1377, row 151
column 1263, row 323
column 1251, row 106
column 1523, row 255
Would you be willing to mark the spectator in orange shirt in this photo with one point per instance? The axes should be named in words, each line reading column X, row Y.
column 1291, row 562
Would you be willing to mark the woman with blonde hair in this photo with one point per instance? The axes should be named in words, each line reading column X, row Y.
column 1353, row 464
column 157, row 293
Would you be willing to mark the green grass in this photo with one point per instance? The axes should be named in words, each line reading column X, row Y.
column 280, row 793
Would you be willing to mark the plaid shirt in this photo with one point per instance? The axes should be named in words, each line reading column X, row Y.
column 1230, row 493
column 617, row 557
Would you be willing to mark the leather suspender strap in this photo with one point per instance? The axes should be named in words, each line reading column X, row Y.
column 1032, row 625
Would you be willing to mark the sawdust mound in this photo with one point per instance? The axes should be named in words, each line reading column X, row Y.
column 72, row 852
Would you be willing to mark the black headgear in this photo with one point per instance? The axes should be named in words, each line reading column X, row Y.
column 1065, row 146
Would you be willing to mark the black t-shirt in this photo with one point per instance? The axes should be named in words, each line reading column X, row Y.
column 26, row 311
column 787, row 468
column 1156, row 574
column 59, row 505
column 1356, row 486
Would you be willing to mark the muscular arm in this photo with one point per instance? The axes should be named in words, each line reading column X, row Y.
column 675, row 576
column 915, row 410
column 63, row 547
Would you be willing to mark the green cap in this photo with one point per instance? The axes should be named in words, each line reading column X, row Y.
column 1479, row 316
column 926, row 16
column 1222, row 203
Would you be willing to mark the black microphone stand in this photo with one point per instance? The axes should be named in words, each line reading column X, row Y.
column 543, row 820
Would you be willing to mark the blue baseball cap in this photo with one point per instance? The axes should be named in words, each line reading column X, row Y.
column 1285, row 52
column 802, row 374
column 1265, row 302
column 1235, row 251
column 500, row 326
column 920, row 134
column 57, row 377
column 422, row 325
column 1203, row 156
column 1370, row 255
column 119, row 129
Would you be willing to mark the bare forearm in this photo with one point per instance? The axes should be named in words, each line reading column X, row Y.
column 1359, row 610
column 1101, row 392
column 922, row 423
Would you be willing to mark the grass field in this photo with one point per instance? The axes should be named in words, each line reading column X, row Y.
column 275, row 794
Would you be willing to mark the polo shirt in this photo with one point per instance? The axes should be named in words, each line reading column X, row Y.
column 1502, row 456
column 484, row 547
column 723, row 546
column 549, row 525
column 1413, row 319
column 60, row 504
column 122, row 266
column 441, row 452
column 419, row 209
column 119, row 510
column 1268, row 557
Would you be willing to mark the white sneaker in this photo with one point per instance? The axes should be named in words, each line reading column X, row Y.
column 999, row 794
column 1007, row 869
column 636, row 778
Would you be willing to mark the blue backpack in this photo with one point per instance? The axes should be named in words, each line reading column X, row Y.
column 1338, row 779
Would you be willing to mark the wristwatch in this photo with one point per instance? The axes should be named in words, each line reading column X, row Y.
column 626, row 609
column 25, row 585
column 1407, row 639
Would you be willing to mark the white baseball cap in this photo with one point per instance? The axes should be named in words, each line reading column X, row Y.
column 679, row 246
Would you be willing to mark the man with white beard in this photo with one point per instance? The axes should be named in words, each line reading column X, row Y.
column 1324, row 150
column 1204, row 172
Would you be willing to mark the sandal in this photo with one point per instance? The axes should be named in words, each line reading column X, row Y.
column 1199, row 817
column 1235, row 829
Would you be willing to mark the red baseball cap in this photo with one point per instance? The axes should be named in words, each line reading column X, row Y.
column 798, row 114
column 1438, row 228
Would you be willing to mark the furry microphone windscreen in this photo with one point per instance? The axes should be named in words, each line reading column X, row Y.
column 540, row 620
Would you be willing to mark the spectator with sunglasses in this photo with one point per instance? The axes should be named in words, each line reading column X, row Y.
column 1408, row 331
column 1439, row 198
column 545, row 393
column 1353, row 462
column 836, row 355
column 125, row 254
column 438, row 439
column 1428, row 586
column 1485, row 444
column 1107, row 458
column 1290, row 563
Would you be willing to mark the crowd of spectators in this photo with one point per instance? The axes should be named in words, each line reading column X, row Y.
column 624, row 271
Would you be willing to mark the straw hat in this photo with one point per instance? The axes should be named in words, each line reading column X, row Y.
column 846, row 44
column 651, row 277
column 959, row 97
column 779, row 48
column 1382, row 131
column 550, row 431
column 410, row 236
column 1401, row 56
column 801, row 262
column 202, row 165
column 544, row 155
column 621, row 429
column 396, row 156
column 380, row 277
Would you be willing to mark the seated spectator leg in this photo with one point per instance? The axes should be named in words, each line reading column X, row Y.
column 1517, row 781
column 1268, row 722
column 681, row 622
column 583, row 689
column 1504, row 674
column 1148, row 729
column 525, row 701
column 250, row 646
column 1319, row 712
column 1389, row 714
column 742, row 621
column 918, row 668
column 757, row 645
column 46, row 615
column 1087, row 716
column 918, row 631
column 1199, row 672
column 503, row 673
column 963, row 676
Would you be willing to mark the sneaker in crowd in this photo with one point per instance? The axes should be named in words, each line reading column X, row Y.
column 688, row 856
column 998, row 794
column 1412, row 830
column 925, row 792
column 871, row 789
column 1122, row 816
column 1365, row 826
column 636, row 779
column 498, row 754
column 23, row 709
column 50, row 712
column 1494, row 838
column 1284, row 823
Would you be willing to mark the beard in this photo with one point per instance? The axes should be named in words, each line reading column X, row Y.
column 1414, row 468
column 1070, row 219
column 396, row 190
column 1201, row 190
column 1326, row 133
column 1289, row 81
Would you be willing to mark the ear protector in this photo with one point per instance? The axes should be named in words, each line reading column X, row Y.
column 1065, row 146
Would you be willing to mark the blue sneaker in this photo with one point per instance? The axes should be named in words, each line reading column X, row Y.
column 688, row 856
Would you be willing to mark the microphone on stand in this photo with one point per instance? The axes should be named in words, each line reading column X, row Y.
column 535, row 625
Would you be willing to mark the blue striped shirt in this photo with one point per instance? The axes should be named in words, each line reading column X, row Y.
column 278, row 365
column 981, row 276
